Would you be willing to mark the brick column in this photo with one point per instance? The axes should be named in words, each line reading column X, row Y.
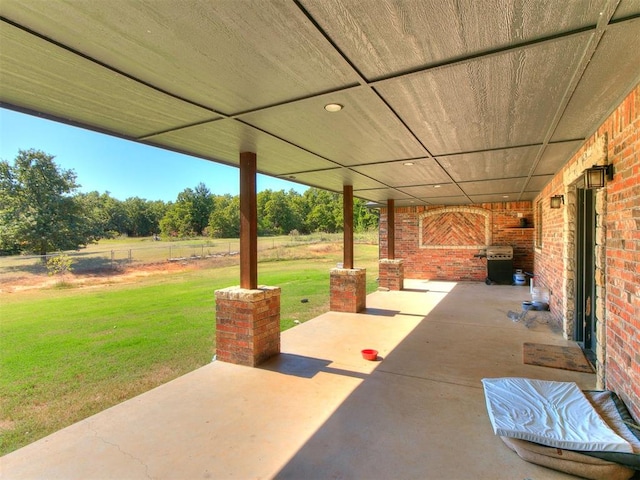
column 391, row 274
column 348, row 289
column 247, row 325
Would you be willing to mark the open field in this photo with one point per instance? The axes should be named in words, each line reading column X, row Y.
column 116, row 255
column 73, row 350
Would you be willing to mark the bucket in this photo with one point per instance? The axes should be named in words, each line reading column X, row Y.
column 540, row 294
column 519, row 278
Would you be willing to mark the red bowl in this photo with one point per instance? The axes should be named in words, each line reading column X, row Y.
column 369, row 354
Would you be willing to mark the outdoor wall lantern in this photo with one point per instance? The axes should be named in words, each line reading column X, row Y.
column 557, row 201
column 594, row 177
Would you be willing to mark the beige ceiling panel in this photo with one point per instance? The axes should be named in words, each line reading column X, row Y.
column 504, row 186
column 499, row 198
column 456, row 200
column 381, row 195
column 627, row 8
column 528, row 196
column 415, row 172
column 500, row 101
column 55, row 82
column 555, row 156
column 221, row 54
column 364, row 131
column 511, row 162
column 385, row 37
column 443, row 190
column 335, row 179
column 537, row 183
column 599, row 91
column 223, row 140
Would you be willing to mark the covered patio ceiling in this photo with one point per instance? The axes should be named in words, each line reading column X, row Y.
column 486, row 100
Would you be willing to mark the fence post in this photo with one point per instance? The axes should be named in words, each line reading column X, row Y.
column 130, row 256
column 112, row 259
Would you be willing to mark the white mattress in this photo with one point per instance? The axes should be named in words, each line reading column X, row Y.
column 556, row 414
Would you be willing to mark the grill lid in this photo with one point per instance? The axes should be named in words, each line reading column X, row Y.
column 499, row 252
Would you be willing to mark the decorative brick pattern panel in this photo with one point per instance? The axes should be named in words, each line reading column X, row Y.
column 617, row 255
column 391, row 274
column 247, row 325
column 453, row 229
column 348, row 290
column 453, row 259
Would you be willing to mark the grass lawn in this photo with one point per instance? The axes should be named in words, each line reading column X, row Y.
column 69, row 353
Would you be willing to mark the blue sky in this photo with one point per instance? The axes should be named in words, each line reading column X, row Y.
column 122, row 168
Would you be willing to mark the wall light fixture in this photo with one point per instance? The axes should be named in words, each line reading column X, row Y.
column 596, row 176
column 557, row 201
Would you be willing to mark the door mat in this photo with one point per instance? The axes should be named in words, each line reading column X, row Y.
column 553, row 356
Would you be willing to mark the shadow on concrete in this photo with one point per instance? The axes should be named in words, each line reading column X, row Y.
column 305, row 367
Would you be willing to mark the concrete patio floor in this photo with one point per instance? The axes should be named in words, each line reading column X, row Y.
column 320, row 411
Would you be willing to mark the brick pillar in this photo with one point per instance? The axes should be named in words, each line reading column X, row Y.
column 391, row 274
column 348, row 289
column 247, row 325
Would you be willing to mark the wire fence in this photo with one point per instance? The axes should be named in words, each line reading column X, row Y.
column 96, row 259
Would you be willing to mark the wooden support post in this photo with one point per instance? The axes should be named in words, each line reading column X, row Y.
column 347, row 208
column 248, row 221
column 391, row 229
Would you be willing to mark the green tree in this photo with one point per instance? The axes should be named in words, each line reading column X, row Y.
column 177, row 221
column 189, row 215
column 364, row 218
column 325, row 211
column 38, row 213
column 143, row 216
column 102, row 214
column 202, row 206
column 224, row 221
column 279, row 214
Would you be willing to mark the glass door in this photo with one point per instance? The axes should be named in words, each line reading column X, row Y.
column 585, row 271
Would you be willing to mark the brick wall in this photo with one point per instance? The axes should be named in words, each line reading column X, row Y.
column 247, row 325
column 348, row 290
column 618, row 230
column 622, row 225
column 391, row 274
column 439, row 242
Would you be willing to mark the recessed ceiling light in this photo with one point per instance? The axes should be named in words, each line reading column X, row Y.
column 408, row 164
column 437, row 186
column 333, row 107
column 505, row 196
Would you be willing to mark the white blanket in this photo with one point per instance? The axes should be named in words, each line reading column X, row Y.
column 556, row 414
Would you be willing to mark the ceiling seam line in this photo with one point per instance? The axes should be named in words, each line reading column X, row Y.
column 301, row 172
column 401, row 120
column 417, row 139
column 476, row 56
column 333, row 44
column 108, row 67
column 235, row 116
column 628, row 18
column 389, row 187
column 579, row 72
column 489, row 150
column 177, row 129
column 288, row 142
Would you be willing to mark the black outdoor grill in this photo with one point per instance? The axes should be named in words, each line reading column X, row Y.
column 499, row 265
